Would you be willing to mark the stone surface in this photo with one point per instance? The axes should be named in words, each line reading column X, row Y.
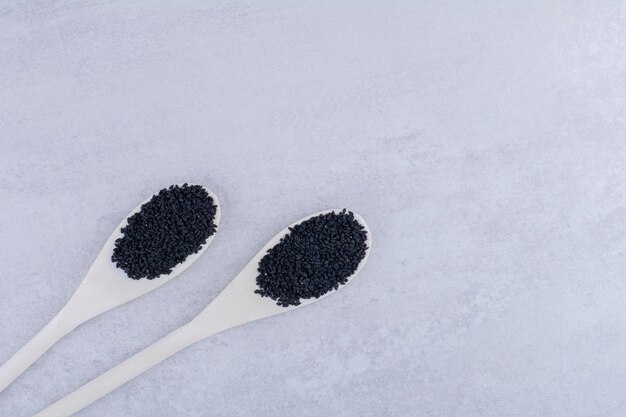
column 484, row 142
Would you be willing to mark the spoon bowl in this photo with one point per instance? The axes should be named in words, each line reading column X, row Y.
column 104, row 287
column 237, row 304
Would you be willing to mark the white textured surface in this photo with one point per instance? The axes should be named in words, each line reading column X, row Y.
column 484, row 143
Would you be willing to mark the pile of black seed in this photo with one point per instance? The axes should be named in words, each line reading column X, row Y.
column 174, row 224
column 317, row 256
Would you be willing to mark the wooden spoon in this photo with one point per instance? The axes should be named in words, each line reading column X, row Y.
column 104, row 287
column 237, row 304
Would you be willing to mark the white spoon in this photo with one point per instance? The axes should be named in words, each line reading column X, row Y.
column 237, row 304
column 104, row 287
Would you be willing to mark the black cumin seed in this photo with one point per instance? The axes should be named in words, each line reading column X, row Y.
column 174, row 224
column 315, row 257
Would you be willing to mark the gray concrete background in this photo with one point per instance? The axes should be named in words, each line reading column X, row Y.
column 484, row 142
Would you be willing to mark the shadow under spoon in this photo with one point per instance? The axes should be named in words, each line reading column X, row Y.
column 237, row 304
column 104, row 287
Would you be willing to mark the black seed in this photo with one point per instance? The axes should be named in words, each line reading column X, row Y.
column 315, row 257
column 174, row 224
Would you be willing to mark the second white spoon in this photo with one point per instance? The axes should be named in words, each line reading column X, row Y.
column 237, row 304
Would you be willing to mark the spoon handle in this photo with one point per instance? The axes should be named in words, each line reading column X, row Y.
column 122, row 373
column 31, row 351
